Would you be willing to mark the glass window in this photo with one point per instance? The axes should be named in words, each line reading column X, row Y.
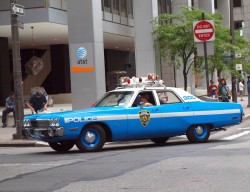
column 145, row 97
column 116, row 7
column 130, row 8
column 215, row 4
column 237, row 3
column 118, row 98
column 107, row 5
column 167, row 97
column 123, row 8
column 238, row 24
column 164, row 6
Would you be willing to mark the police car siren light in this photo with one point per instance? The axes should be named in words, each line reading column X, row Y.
column 128, row 81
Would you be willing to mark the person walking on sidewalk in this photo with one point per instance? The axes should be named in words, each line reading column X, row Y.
column 37, row 102
column 10, row 107
column 241, row 88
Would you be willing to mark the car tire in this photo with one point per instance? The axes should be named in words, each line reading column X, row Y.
column 160, row 140
column 91, row 139
column 62, row 146
column 198, row 133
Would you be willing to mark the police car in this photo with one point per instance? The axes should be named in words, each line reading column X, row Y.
column 122, row 115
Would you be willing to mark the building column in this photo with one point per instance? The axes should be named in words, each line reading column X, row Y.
column 5, row 76
column 145, row 54
column 86, row 52
column 207, row 5
column 223, row 7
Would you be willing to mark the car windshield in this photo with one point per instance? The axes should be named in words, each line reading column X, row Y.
column 116, row 98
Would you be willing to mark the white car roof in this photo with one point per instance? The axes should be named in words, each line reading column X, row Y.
column 186, row 96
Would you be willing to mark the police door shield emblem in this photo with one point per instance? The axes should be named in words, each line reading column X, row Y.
column 144, row 117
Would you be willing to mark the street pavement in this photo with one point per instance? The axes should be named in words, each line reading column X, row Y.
column 6, row 134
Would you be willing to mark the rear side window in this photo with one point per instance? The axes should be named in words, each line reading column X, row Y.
column 167, row 97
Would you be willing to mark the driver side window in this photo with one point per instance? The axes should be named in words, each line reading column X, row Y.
column 145, row 97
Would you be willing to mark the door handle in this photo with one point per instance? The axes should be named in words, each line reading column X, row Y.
column 155, row 110
column 185, row 107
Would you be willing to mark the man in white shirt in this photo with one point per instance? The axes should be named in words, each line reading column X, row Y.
column 241, row 88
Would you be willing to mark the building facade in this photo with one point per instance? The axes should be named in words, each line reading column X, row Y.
column 82, row 43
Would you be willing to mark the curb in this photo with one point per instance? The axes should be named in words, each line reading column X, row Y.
column 22, row 143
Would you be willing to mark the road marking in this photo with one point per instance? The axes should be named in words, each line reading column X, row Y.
column 236, row 135
column 245, row 128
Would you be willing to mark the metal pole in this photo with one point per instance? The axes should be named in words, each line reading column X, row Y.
column 234, row 93
column 17, row 73
column 205, row 57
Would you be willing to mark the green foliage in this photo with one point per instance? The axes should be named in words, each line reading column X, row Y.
column 175, row 33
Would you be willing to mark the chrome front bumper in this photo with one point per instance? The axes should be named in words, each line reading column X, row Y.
column 45, row 132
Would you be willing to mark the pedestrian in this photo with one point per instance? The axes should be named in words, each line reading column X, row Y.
column 37, row 102
column 241, row 88
column 9, row 107
column 224, row 94
column 213, row 88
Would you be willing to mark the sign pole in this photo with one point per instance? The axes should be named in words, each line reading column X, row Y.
column 205, row 57
column 17, row 73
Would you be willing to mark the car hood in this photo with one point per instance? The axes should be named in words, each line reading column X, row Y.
column 86, row 112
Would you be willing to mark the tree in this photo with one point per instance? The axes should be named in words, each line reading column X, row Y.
column 174, row 32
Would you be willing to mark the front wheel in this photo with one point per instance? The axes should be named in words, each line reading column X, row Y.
column 92, row 138
column 198, row 133
column 62, row 146
column 160, row 141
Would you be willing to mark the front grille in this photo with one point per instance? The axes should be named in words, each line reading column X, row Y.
column 39, row 123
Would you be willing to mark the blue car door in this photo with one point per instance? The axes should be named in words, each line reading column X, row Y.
column 177, row 116
column 144, row 121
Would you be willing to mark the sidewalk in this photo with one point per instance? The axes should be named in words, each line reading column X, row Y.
column 6, row 138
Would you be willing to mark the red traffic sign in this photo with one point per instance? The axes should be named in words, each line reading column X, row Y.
column 203, row 31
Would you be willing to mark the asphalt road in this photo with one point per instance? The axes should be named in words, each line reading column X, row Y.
column 222, row 164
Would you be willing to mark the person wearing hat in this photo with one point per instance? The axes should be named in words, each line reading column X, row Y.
column 37, row 102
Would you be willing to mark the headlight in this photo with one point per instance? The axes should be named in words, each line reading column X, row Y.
column 26, row 122
column 54, row 122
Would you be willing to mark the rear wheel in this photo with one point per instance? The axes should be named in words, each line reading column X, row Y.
column 62, row 146
column 160, row 141
column 92, row 138
column 198, row 133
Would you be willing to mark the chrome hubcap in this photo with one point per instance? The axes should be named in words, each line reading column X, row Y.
column 199, row 130
column 89, row 137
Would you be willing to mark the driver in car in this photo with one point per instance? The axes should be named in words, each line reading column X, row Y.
column 144, row 98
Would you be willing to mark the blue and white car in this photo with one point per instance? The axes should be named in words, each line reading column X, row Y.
column 120, row 116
